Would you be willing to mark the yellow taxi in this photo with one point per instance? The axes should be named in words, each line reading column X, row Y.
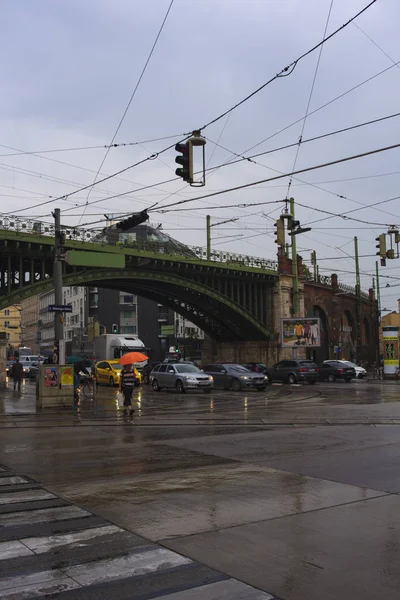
column 109, row 371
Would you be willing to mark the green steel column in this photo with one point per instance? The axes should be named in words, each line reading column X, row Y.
column 378, row 292
column 9, row 274
column 21, row 272
column 256, row 301
column 294, row 266
column 208, row 226
column 250, row 298
column 358, row 296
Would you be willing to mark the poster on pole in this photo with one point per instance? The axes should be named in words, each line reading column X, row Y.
column 302, row 332
column 67, row 376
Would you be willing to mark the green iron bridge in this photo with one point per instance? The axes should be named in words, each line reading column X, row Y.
column 229, row 296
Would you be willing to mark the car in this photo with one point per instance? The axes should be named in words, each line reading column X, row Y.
column 360, row 371
column 256, row 367
column 293, row 371
column 109, row 371
column 181, row 377
column 335, row 369
column 235, row 377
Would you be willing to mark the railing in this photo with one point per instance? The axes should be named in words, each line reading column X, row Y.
column 347, row 289
column 112, row 237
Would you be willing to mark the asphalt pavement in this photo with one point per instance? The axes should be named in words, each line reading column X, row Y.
column 292, row 493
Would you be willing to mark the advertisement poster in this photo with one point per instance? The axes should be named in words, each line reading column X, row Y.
column 391, row 350
column 305, row 333
column 67, row 376
column 50, row 377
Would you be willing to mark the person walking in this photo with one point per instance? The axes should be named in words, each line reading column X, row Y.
column 127, row 381
column 17, row 372
column 79, row 367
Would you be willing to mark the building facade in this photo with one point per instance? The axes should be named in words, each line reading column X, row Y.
column 10, row 324
column 30, row 323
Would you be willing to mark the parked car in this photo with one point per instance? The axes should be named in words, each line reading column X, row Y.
column 255, row 367
column 109, row 371
column 180, row 376
column 335, row 369
column 235, row 377
column 360, row 371
column 293, row 371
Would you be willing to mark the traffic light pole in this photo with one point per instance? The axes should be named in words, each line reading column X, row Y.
column 208, row 225
column 358, row 296
column 295, row 273
column 58, row 285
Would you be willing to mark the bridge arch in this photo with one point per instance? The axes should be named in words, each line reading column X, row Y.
column 209, row 309
column 322, row 353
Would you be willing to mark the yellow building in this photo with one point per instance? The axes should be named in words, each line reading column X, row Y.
column 30, row 323
column 390, row 320
column 10, row 323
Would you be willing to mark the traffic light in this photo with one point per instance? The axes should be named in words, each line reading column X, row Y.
column 135, row 219
column 280, row 232
column 381, row 245
column 186, row 160
column 115, row 328
column 313, row 258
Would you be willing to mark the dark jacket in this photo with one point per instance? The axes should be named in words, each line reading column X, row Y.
column 17, row 370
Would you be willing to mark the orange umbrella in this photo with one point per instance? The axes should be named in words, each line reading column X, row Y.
column 132, row 357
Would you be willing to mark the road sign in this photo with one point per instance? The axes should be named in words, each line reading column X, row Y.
column 64, row 308
column 338, row 350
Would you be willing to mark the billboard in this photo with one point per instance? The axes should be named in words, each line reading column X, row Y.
column 302, row 332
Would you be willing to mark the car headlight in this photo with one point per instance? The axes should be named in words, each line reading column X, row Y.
column 245, row 377
column 211, row 378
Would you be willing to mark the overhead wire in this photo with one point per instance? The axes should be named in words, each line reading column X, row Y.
column 130, row 101
column 309, row 98
column 290, row 68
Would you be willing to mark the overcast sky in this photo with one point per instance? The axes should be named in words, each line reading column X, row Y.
column 69, row 68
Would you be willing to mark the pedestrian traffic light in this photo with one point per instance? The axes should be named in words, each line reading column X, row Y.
column 115, row 328
column 135, row 219
column 280, row 232
column 381, row 245
column 186, row 160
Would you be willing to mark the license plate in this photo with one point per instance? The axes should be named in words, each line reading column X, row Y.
column 312, row 370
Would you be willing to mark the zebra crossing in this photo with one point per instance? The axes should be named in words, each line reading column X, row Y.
column 52, row 548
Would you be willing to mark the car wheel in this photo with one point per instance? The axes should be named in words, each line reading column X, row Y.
column 261, row 389
column 331, row 377
column 292, row 378
column 312, row 382
column 236, row 385
column 111, row 382
column 179, row 387
column 268, row 377
column 207, row 391
column 155, row 385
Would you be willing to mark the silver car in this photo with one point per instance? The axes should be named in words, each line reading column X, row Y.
column 180, row 377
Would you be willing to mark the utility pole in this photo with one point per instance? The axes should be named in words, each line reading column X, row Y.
column 294, row 266
column 378, row 292
column 58, row 284
column 208, row 225
column 358, row 296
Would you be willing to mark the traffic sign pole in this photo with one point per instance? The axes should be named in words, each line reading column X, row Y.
column 58, row 284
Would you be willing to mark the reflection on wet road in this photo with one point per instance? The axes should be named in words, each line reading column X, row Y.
column 294, row 491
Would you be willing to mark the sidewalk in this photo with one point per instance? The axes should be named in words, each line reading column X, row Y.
column 50, row 547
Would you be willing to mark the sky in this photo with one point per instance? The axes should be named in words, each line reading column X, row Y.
column 69, row 70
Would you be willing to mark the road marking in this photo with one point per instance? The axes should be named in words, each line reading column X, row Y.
column 45, row 544
column 26, row 496
column 43, row 515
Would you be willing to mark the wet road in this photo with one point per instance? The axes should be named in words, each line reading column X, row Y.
column 294, row 491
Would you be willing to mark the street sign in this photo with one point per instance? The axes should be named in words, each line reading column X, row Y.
column 338, row 350
column 64, row 308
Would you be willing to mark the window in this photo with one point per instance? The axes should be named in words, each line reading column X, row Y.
column 128, row 299
column 163, row 369
column 6, row 324
column 7, row 312
column 127, row 314
column 128, row 329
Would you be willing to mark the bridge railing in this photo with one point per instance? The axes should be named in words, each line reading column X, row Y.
column 344, row 287
column 112, row 237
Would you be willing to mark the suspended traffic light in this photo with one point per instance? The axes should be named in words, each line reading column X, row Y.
column 115, row 328
column 186, row 160
column 280, row 232
column 135, row 219
column 381, row 245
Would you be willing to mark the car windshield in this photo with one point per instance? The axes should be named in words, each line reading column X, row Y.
column 187, row 369
column 237, row 368
column 307, row 363
column 347, row 363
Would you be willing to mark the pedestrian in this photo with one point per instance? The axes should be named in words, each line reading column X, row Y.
column 127, row 382
column 79, row 367
column 17, row 372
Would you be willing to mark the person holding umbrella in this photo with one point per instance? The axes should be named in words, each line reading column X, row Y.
column 127, row 382
column 127, row 379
